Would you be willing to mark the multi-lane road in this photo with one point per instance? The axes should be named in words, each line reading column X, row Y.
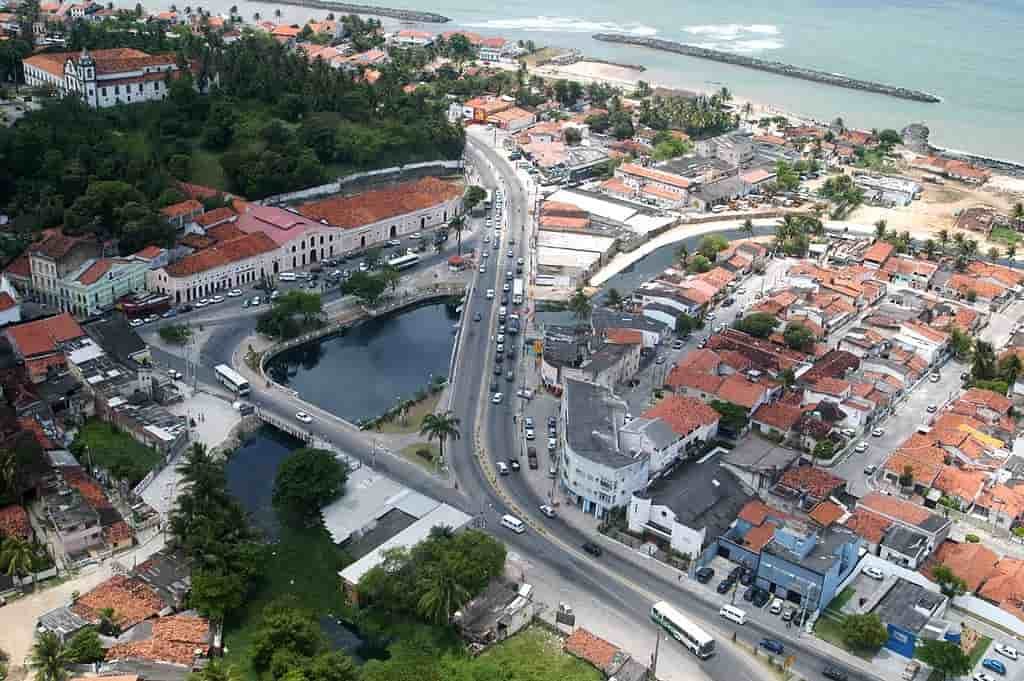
column 613, row 585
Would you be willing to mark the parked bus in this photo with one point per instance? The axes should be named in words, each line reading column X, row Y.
column 404, row 262
column 683, row 630
column 517, row 292
column 231, row 379
column 488, row 200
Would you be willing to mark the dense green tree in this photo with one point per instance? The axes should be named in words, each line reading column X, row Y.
column 711, row 245
column 864, row 632
column 85, row 647
column 614, row 299
column 48, row 659
column 944, row 657
column 686, row 324
column 580, row 306
column 368, row 288
column 307, row 480
column 951, row 584
column 798, row 337
column 216, row 670
column 760, row 324
column 984, row 366
column 286, row 627
column 17, row 557
column 698, row 264
column 961, row 343
column 733, row 417
column 824, row 449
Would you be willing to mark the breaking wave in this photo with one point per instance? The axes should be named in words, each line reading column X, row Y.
column 543, row 24
column 737, row 37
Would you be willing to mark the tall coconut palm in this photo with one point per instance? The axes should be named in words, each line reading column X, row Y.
column 1018, row 214
column 968, row 247
column 1011, row 253
column 8, row 472
column 442, row 598
column 277, row 13
column 440, row 427
column 930, row 248
column 458, row 223
column 943, row 237
column 48, row 660
column 580, row 305
column 880, row 230
column 17, row 557
column 993, row 253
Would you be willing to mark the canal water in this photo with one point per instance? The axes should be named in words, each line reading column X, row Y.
column 656, row 262
column 363, row 372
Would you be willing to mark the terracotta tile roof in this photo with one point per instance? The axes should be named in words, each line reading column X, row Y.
column 702, row 360
column 198, row 191
column 591, row 648
column 183, row 629
column 973, row 563
column 879, row 252
column 755, row 511
column 961, row 483
column 985, row 290
column 1005, row 586
column 681, row 377
column 177, row 210
column 683, row 414
column 14, row 522
column 375, row 205
column 56, row 244
column 988, row 399
column 778, row 415
column 826, row 513
column 19, row 267
column 758, row 537
column 893, row 507
column 42, row 335
column 149, row 252
column 816, row 482
column 910, row 266
column 225, row 231
column 131, row 600
column 562, row 208
column 931, row 334
column 1004, row 275
column 738, row 390
column 6, row 301
column 1003, row 499
column 117, row 533
column 870, row 526
column 95, row 271
column 830, row 386
column 736, row 360
column 624, row 336
column 248, row 246
column 216, row 215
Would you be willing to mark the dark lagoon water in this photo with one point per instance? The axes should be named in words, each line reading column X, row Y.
column 251, row 470
column 362, row 373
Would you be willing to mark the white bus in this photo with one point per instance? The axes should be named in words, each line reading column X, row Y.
column 404, row 262
column 683, row 630
column 517, row 292
column 231, row 379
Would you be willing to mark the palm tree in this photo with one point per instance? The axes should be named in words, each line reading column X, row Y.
column 444, row 596
column 216, row 670
column 17, row 557
column 748, row 109
column 277, row 13
column 943, row 237
column 256, row 17
column 1011, row 252
column 930, row 247
column 440, row 427
column 683, row 253
column 614, row 299
column 458, row 223
column 968, row 247
column 8, row 472
column 233, row 12
column 108, row 625
column 993, row 253
column 48, row 658
column 580, row 305
column 880, row 230
column 1018, row 213
column 747, row 227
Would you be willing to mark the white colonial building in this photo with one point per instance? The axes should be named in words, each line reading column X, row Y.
column 103, row 78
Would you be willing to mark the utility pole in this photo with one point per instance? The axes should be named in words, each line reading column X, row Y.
column 654, row 657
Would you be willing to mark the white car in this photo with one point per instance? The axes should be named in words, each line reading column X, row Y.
column 303, row 416
column 394, row 242
column 873, row 572
column 490, row 294
column 135, row 323
column 935, row 377
column 980, row 676
column 486, row 254
column 547, row 510
column 483, row 269
column 499, row 348
column 861, row 448
column 174, row 373
column 496, row 398
column 1006, row 651
column 202, row 302
column 363, row 267
column 234, row 293
column 878, row 432
column 552, row 444
column 530, row 434
column 505, row 287
column 217, row 299
column 500, row 338
column 152, row 318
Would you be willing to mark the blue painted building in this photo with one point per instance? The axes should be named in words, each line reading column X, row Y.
column 796, row 566
column 911, row 612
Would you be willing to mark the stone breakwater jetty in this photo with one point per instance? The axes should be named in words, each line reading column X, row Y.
column 373, row 10
column 776, row 67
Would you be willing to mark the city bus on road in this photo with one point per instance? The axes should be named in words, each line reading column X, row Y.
column 231, row 379
column 696, row 640
column 404, row 262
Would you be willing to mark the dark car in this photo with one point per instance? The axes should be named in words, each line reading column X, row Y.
column 761, row 598
column 724, row 585
column 513, row 464
column 477, row 317
column 735, row 573
column 747, row 578
column 593, row 549
column 531, row 457
column 705, row 574
column 509, row 375
column 494, row 386
column 552, row 421
column 511, row 352
column 497, row 370
column 834, row 673
column 749, row 594
column 773, row 646
column 499, row 358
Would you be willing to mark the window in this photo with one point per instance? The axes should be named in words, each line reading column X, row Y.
column 103, row 91
column 117, row 89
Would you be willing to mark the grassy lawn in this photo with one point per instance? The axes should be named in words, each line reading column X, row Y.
column 304, row 566
column 115, row 451
column 410, row 454
column 1005, row 234
column 414, row 417
column 842, row 599
column 534, row 654
column 829, row 628
column 979, row 649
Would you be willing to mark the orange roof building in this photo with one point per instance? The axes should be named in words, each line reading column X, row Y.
column 406, row 199
column 684, row 415
column 973, row 563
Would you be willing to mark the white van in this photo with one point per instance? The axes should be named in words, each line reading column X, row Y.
column 513, row 523
column 734, row 614
column 287, row 276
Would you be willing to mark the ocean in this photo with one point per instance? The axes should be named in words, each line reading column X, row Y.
column 968, row 53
